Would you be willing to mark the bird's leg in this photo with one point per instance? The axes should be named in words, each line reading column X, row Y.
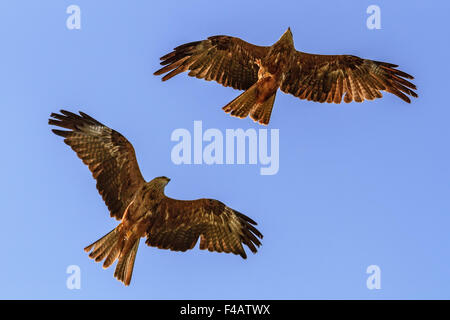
column 262, row 72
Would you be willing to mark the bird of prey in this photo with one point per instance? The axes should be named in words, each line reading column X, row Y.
column 260, row 71
column 142, row 207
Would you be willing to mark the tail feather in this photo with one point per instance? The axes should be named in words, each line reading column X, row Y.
column 103, row 245
column 240, row 107
column 247, row 103
column 114, row 246
column 103, row 255
column 124, row 268
column 262, row 112
column 112, row 255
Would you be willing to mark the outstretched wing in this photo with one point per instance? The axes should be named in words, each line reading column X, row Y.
column 108, row 154
column 229, row 61
column 327, row 78
column 177, row 225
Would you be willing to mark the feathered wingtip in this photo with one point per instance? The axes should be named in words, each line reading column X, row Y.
column 250, row 234
column 69, row 120
column 398, row 85
column 173, row 61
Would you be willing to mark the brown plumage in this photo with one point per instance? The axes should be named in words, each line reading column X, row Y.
column 142, row 206
column 260, row 71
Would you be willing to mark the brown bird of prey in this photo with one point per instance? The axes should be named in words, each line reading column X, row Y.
column 142, row 207
column 260, row 71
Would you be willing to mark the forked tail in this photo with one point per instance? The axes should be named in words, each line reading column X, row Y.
column 115, row 246
column 247, row 103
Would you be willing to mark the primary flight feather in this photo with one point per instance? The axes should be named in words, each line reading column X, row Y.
column 142, row 207
column 260, row 71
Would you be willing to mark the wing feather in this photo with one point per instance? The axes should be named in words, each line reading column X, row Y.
column 227, row 60
column 109, row 156
column 177, row 225
column 328, row 78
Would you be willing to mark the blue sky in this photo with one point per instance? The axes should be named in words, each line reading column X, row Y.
column 358, row 184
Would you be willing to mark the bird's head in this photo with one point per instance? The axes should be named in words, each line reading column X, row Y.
column 287, row 36
column 161, row 181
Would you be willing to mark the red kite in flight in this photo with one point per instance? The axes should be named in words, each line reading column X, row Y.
column 260, row 71
column 142, row 207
